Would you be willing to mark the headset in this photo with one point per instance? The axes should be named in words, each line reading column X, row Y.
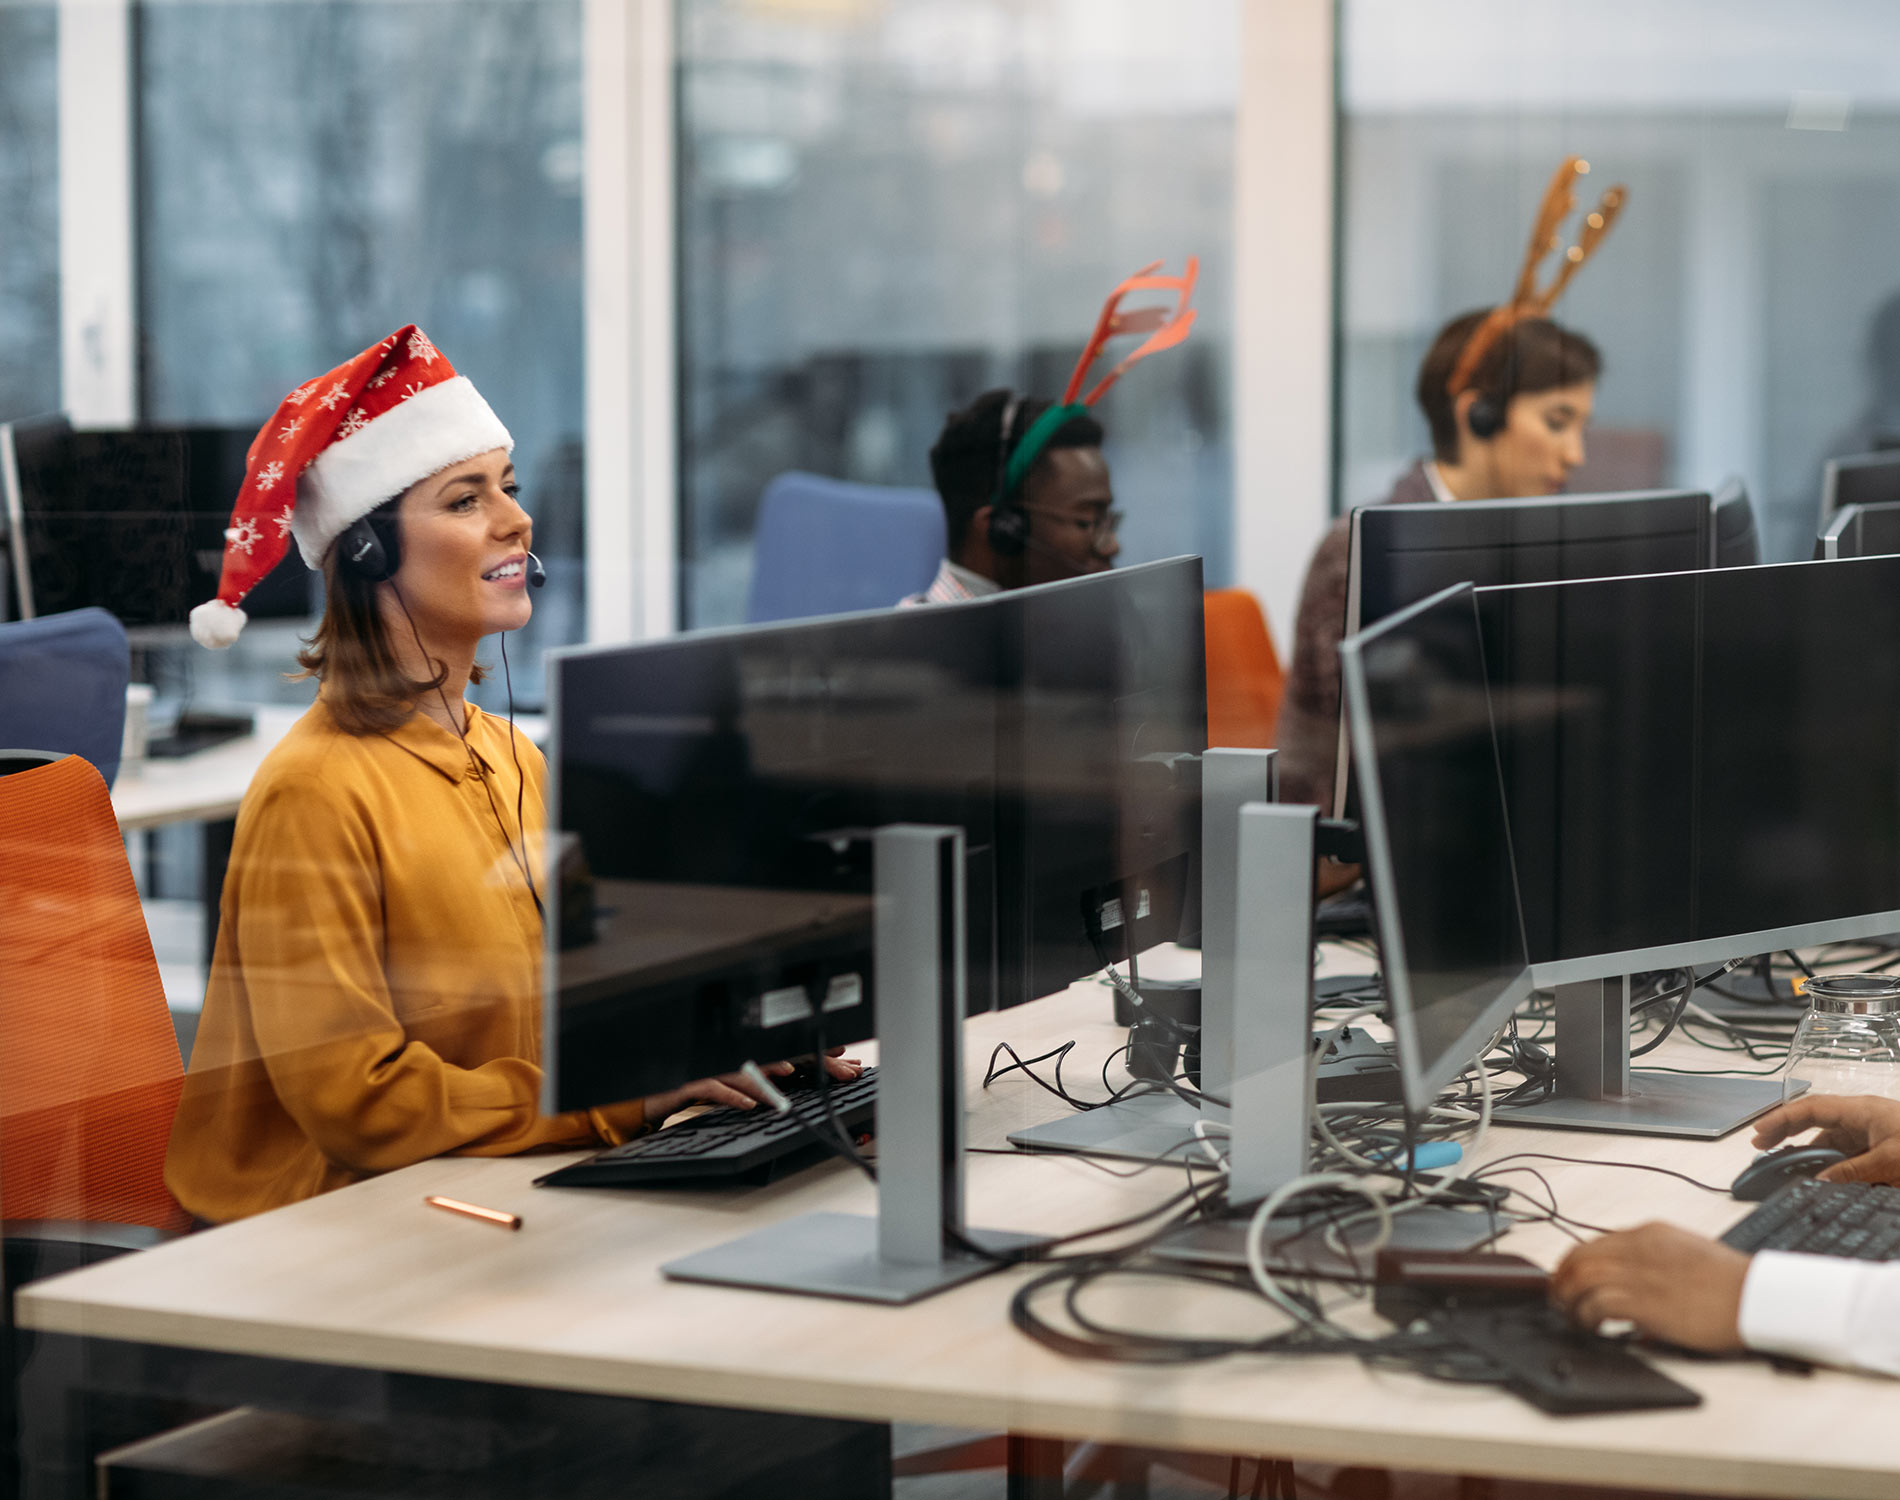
column 1009, row 522
column 1485, row 417
column 371, row 549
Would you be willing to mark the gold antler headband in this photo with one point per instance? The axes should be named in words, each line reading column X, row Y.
column 1546, row 236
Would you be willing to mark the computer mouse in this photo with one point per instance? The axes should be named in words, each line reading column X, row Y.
column 1776, row 1169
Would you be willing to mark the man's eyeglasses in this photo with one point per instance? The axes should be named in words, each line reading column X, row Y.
column 1100, row 528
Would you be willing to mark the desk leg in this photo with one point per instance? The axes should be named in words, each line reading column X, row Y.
column 1035, row 1468
column 218, row 834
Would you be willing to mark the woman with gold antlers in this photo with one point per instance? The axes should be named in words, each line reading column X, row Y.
column 1507, row 393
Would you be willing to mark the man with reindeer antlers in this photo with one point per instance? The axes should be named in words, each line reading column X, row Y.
column 1025, row 488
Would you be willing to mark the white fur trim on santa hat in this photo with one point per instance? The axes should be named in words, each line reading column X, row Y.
column 216, row 624
column 434, row 428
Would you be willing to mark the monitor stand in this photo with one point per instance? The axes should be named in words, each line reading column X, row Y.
column 1160, row 1127
column 1271, row 1095
column 905, row 1252
column 1598, row 1090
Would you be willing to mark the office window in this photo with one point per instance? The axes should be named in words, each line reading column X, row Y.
column 886, row 209
column 314, row 175
column 29, row 208
column 1747, row 304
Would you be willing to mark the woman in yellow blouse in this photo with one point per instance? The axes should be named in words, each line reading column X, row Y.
column 375, row 994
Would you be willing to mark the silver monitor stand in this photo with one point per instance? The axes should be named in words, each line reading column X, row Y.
column 1598, row 1090
column 904, row 1253
column 1271, row 1089
column 1159, row 1126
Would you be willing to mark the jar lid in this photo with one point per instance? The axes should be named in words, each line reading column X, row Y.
column 1854, row 994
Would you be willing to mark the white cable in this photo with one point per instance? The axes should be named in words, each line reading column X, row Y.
column 1201, row 1127
column 1257, row 1233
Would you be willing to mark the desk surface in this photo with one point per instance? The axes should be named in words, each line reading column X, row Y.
column 211, row 784
column 368, row 1276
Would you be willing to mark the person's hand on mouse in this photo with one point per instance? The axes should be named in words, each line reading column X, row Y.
column 1670, row 1283
column 1864, row 1128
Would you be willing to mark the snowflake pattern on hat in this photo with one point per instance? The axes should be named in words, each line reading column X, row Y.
column 346, row 451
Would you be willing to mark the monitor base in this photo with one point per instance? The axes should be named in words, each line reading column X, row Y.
column 1148, row 1128
column 836, row 1255
column 1223, row 1242
column 1701, row 1109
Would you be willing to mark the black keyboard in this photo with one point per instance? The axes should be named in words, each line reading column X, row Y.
column 1852, row 1219
column 729, row 1145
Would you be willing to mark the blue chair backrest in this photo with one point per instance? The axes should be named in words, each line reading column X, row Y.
column 825, row 546
column 62, row 686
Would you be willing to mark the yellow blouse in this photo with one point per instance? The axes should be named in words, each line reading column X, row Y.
column 375, row 996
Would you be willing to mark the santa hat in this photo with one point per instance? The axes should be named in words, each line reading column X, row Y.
column 335, row 450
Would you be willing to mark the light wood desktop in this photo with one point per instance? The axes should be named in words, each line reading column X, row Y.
column 208, row 786
column 371, row 1277
column 205, row 787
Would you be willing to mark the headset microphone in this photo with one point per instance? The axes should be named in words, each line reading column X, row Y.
column 537, row 575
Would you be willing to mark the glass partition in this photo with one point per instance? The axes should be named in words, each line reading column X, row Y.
column 885, row 210
column 315, row 175
column 1746, row 304
column 29, row 207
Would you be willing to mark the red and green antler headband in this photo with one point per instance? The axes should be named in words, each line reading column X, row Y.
column 1165, row 328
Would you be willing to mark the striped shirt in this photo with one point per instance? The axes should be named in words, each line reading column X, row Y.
column 952, row 584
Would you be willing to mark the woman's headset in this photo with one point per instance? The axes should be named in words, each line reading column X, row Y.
column 1485, row 417
column 371, row 549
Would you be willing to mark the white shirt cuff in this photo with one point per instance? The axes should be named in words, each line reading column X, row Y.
column 1803, row 1305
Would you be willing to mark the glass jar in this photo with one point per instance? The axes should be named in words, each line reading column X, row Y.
column 1849, row 1041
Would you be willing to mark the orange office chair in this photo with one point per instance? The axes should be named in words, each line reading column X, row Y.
column 89, row 1067
column 1244, row 678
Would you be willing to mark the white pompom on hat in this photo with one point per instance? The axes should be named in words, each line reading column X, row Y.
column 336, row 449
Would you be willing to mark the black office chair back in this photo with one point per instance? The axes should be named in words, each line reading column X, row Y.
column 27, row 760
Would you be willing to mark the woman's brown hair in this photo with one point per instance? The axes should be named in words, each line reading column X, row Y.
column 364, row 684
column 1534, row 355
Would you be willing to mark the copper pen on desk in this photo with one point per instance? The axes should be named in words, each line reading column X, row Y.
column 474, row 1211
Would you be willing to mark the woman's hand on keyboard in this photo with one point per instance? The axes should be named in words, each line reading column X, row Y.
column 1670, row 1283
column 1865, row 1128
column 732, row 1089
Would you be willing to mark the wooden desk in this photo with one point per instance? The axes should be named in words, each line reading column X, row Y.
column 205, row 787
column 370, row 1277
column 208, row 786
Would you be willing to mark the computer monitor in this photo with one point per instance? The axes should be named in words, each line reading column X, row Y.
column 1736, row 543
column 1103, row 717
column 1709, row 754
column 133, row 521
column 1438, row 840
column 720, row 789
column 1401, row 554
column 1698, row 767
column 1864, row 479
column 1860, row 531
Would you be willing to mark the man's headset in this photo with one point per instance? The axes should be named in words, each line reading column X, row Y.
column 371, row 549
column 1009, row 522
column 1010, row 531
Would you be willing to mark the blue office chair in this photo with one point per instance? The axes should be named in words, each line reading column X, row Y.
column 62, row 686
column 824, row 546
